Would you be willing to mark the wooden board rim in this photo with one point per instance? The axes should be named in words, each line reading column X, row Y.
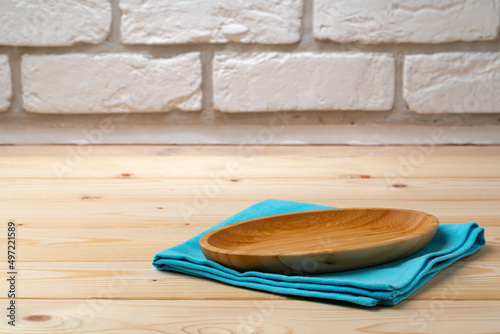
column 431, row 228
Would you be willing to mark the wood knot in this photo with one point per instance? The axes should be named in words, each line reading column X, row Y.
column 38, row 318
column 235, row 180
column 127, row 175
column 221, row 330
column 399, row 185
column 355, row 176
column 90, row 197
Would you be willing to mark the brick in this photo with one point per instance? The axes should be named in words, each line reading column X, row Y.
column 54, row 22
column 406, row 21
column 81, row 83
column 303, row 81
column 452, row 83
column 218, row 21
column 5, row 83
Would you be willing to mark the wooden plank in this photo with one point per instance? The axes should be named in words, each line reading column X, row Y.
column 119, row 280
column 463, row 280
column 99, row 212
column 115, row 244
column 202, row 166
column 146, row 220
column 103, row 244
column 450, row 189
column 274, row 317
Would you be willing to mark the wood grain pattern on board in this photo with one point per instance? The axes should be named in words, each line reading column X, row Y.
column 263, row 166
column 105, row 213
column 232, row 317
column 175, row 189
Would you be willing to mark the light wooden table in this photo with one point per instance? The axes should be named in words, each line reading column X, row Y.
column 90, row 219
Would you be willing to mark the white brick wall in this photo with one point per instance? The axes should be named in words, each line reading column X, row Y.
column 453, row 83
column 79, row 83
column 234, row 64
column 406, row 21
column 54, row 22
column 303, row 81
column 5, row 83
column 201, row 21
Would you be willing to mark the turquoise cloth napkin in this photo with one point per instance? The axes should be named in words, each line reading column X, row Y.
column 385, row 284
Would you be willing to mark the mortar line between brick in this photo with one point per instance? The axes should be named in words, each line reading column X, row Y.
column 399, row 108
column 208, row 114
column 307, row 31
column 312, row 45
column 16, row 107
column 115, row 34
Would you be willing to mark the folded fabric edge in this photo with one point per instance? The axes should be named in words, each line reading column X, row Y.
column 353, row 298
column 395, row 289
column 203, row 271
column 479, row 242
column 435, row 262
column 389, row 295
column 356, row 295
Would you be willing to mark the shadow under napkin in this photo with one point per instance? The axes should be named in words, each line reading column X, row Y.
column 385, row 284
